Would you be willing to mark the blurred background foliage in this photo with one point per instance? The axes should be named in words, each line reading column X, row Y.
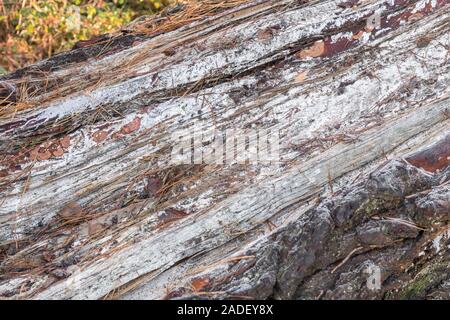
column 31, row 30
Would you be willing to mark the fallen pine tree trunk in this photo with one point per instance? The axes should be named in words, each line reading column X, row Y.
column 356, row 205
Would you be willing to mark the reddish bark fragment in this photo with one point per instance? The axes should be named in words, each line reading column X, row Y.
column 43, row 154
column 179, row 292
column 267, row 33
column 131, row 127
column 56, row 150
column 170, row 215
column 434, row 158
column 65, row 142
column 48, row 256
column 176, row 213
column 199, row 284
column 316, row 50
column 264, row 34
column 332, row 48
column 33, row 154
column 99, row 136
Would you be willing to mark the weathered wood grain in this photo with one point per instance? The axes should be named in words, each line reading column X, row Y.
column 90, row 203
